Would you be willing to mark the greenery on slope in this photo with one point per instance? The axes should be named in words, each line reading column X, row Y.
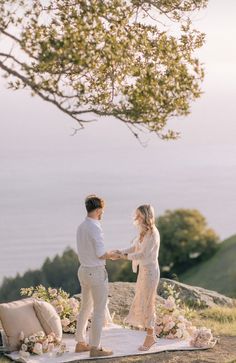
column 217, row 273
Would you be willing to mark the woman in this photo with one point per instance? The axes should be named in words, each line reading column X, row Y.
column 144, row 252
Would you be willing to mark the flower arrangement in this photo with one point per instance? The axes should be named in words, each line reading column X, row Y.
column 67, row 307
column 37, row 343
column 202, row 338
column 171, row 322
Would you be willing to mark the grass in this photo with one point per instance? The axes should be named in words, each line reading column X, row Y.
column 4, row 360
column 221, row 320
column 217, row 273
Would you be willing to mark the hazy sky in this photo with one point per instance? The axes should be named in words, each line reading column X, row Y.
column 39, row 157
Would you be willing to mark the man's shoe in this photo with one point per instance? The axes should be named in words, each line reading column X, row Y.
column 100, row 352
column 82, row 347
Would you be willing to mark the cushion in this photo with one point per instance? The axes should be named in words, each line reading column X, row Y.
column 48, row 317
column 18, row 316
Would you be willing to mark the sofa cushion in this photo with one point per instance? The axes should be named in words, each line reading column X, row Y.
column 17, row 316
column 48, row 318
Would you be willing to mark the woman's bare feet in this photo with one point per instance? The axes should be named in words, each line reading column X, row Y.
column 148, row 342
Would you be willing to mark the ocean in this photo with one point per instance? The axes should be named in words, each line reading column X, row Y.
column 42, row 196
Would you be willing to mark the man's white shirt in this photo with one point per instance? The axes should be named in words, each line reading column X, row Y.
column 90, row 243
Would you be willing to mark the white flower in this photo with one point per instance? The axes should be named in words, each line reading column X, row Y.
column 66, row 329
column 24, row 347
column 38, row 348
column 72, row 329
column 51, row 337
column 41, row 334
column 32, row 338
column 26, row 340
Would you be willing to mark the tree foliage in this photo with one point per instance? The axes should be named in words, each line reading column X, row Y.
column 61, row 271
column 119, row 58
column 185, row 240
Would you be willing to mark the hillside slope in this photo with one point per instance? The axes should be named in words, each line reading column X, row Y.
column 218, row 273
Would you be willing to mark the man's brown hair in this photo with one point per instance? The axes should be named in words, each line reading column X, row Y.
column 93, row 202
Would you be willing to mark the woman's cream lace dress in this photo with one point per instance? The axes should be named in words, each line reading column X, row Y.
column 145, row 255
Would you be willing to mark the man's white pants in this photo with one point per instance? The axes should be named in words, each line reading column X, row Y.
column 94, row 291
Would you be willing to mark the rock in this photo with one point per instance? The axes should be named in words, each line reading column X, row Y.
column 121, row 295
column 196, row 297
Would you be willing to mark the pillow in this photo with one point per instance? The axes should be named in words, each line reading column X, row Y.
column 48, row 317
column 18, row 316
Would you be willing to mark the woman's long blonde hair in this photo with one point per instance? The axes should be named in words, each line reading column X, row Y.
column 148, row 223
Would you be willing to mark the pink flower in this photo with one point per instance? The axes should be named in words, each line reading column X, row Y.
column 73, row 303
column 169, row 326
column 166, row 319
column 181, row 318
column 179, row 333
column 52, row 292
column 38, row 348
column 170, row 303
column 202, row 338
column 158, row 320
column 170, row 336
column 72, row 318
column 59, row 309
column 65, row 322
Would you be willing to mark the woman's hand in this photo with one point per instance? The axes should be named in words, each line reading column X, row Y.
column 115, row 255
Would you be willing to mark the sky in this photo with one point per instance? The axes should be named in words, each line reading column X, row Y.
column 45, row 173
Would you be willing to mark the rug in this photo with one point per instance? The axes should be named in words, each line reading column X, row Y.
column 123, row 342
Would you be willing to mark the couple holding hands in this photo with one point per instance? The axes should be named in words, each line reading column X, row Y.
column 93, row 276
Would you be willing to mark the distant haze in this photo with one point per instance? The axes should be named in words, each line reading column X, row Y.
column 45, row 173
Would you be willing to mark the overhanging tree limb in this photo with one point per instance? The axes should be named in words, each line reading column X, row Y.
column 104, row 58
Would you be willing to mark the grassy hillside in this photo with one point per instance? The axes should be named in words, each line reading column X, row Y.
column 219, row 272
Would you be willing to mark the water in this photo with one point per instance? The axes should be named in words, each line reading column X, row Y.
column 42, row 196
column 45, row 173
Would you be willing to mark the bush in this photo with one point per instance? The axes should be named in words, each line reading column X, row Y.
column 185, row 240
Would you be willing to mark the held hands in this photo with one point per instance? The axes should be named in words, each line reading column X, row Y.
column 116, row 255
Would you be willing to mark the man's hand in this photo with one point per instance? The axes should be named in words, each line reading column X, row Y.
column 115, row 255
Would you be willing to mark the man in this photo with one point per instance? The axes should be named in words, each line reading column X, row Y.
column 93, row 278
